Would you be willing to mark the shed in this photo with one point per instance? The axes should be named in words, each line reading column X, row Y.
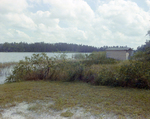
column 123, row 53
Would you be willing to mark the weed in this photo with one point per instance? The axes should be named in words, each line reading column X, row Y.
column 34, row 107
column 67, row 114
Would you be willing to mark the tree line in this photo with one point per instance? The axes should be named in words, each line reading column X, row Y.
column 50, row 47
column 144, row 47
column 47, row 47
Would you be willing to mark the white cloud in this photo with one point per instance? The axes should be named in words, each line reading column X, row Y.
column 13, row 35
column 45, row 18
column 17, row 34
column 148, row 2
column 20, row 20
column 12, row 5
column 112, row 22
column 71, row 10
column 125, row 20
column 43, row 14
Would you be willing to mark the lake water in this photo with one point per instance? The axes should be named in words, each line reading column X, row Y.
column 16, row 56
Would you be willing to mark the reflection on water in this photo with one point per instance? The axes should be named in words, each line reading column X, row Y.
column 4, row 72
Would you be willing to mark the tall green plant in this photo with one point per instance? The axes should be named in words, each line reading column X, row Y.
column 37, row 67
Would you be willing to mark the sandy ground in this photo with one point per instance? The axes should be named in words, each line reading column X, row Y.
column 21, row 111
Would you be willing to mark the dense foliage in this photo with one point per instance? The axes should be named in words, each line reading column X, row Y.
column 47, row 47
column 143, row 52
column 144, row 47
column 94, row 68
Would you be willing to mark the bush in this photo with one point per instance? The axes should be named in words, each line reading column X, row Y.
column 79, row 56
column 38, row 67
column 125, row 74
column 140, row 56
column 75, row 71
column 107, row 76
column 98, row 58
column 89, row 75
column 135, row 74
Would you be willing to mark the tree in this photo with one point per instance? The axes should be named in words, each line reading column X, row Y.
column 143, row 51
column 148, row 33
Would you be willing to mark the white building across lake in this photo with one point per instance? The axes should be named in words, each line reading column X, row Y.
column 123, row 53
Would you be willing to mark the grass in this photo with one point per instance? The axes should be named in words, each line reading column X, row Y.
column 67, row 114
column 7, row 64
column 95, row 99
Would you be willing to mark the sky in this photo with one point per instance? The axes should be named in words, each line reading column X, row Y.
column 88, row 22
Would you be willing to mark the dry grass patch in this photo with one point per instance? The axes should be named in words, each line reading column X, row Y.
column 8, row 64
column 95, row 99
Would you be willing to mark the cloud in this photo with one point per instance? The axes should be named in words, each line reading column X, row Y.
column 14, row 35
column 20, row 20
column 71, row 10
column 12, row 6
column 75, row 14
column 44, row 18
column 148, row 2
column 122, row 20
column 112, row 22
column 17, row 34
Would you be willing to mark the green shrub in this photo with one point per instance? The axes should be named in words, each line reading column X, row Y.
column 38, row 67
column 138, row 56
column 104, row 72
column 142, row 55
column 75, row 71
column 98, row 58
column 89, row 75
column 135, row 74
column 79, row 56
column 107, row 76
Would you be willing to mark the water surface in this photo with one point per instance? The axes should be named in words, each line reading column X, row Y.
column 16, row 56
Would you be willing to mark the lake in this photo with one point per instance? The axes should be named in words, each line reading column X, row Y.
column 16, row 56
